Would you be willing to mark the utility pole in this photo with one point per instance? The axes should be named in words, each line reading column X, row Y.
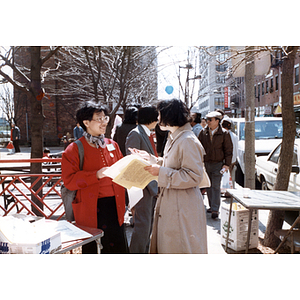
column 249, row 180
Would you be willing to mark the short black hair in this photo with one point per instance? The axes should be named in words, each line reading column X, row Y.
column 147, row 114
column 87, row 110
column 130, row 115
column 197, row 118
column 173, row 112
column 226, row 124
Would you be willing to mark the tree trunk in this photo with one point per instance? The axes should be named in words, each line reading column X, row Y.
column 249, row 181
column 276, row 218
column 36, row 121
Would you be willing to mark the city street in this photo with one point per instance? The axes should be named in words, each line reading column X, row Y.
column 213, row 225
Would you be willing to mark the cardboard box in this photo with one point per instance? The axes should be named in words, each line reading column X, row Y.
column 46, row 246
column 238, row 226
column 19, row 235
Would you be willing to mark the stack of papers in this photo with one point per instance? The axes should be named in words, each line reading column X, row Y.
column 129, row 172
column 20, row 231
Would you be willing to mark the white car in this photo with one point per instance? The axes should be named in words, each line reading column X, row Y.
column 267, row 167
column 268, row 134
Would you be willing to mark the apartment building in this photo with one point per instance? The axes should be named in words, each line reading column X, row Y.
column 218, row 90
column 213, row 91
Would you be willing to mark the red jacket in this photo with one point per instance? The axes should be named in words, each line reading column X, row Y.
column 86, row 182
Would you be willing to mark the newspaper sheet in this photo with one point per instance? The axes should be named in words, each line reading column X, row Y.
column 129, row 172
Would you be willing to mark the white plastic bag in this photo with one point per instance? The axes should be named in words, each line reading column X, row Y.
column 226, row 182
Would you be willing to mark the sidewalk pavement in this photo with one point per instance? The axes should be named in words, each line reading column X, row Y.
column 214, row 229
column 25, row 152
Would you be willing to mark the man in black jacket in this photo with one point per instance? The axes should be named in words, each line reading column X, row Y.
column 15, row 137
column 218, row 154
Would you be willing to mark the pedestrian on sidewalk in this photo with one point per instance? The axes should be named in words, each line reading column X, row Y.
column 218, row 154
column 179, row 220
column 196, row 123
column 141, row 138
column 15, row 137
column 122, row 130
column 77, row 131
column 226, row 124
column 99, row 202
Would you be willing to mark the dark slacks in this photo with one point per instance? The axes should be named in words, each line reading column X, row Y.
column 214, row 191
column 143, row 221
column 114, row 240
column 16, row 145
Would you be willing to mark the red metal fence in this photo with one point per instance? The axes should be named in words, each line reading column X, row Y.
column 31, row 194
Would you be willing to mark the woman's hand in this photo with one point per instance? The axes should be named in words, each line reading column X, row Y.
column 141, row 153
column 100, row 172
column 153, row 169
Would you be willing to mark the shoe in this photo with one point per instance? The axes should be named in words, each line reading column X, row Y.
column 214, row 215
column 208, row 210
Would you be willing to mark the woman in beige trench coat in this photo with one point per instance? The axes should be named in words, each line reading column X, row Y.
column 180, row 219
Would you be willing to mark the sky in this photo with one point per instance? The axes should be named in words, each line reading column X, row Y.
column 169, row 63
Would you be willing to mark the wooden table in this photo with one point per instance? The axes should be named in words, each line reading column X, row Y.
column 270, row 200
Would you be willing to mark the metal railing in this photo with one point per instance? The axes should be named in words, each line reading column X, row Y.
column 32, row 194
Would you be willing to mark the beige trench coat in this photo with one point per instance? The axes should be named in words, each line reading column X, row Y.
column 180, row 218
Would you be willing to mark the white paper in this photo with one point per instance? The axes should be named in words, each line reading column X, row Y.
column 20, row 231
column 69, row 232
column 135, row 195
column 129, row 172
column 16, row 230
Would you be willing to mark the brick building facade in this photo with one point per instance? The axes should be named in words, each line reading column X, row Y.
column 59, row 113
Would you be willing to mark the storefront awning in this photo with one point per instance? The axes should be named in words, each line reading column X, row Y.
column 277, row 110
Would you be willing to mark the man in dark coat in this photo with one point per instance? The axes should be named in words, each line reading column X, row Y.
column 218, row 154
column 122, row 130
column 15, row 137
column 140, row 138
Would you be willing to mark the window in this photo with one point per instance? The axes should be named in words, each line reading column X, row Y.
column 275, row 156
column 297, row 75
column 276, row 83
column 295, row 157
column 258, row 91
column 219, row 101
column 267, row 86
column 262, row 88
column 271, row 86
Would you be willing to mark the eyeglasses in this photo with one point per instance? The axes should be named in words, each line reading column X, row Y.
column 102, row 119
column 209, row 119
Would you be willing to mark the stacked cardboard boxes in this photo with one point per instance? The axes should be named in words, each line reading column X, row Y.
column 238, row 229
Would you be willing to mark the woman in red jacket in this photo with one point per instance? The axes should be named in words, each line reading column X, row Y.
column 99, row 202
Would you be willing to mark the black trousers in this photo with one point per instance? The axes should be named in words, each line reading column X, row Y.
column 16, row 145
column 114, row 240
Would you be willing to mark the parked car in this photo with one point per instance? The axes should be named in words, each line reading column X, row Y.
column 267, row 167
column 268, row 134
column 4, row 132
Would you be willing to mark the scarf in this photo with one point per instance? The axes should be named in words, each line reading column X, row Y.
column 96, row 140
